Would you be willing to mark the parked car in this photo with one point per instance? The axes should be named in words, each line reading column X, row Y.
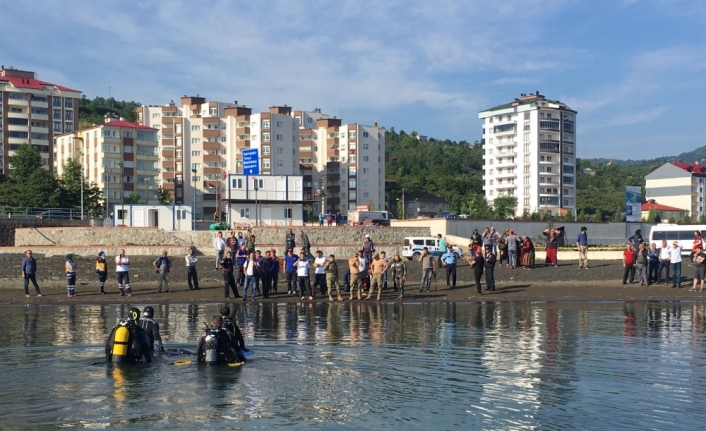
column 447, row 215
column 59, row 214
column 413, row 247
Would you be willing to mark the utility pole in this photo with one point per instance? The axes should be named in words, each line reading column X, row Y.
column 257, row 216
column 122, row 191
column 402, row 203
column 193, row 202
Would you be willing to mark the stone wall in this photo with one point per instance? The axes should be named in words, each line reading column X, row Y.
column 8, row 226
column 326, row 238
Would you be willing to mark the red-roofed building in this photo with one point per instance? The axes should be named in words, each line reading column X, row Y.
column 120, row 157
column 665, row 211
column 678, row 185
column 33, row 112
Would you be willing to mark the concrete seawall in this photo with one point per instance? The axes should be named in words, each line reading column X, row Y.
column 341, row 241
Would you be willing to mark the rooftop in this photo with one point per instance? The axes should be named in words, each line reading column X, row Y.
column 652, row 205
column 525, row 99
column 690, row 167
column 26, row 79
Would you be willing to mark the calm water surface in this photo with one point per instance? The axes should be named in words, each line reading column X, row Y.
column 506, row 366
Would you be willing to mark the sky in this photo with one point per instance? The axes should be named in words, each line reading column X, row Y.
column 635, row 70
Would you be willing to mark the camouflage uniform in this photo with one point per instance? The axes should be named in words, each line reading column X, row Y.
column 399, row 270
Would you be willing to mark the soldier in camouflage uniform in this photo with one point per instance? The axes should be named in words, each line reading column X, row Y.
column 399, row 274
column 332, row 278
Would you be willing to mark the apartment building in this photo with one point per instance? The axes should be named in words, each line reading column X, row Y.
column 33, row 112
column 343, row 165
column 529, row 153
column 678, row 185
column 201, row 141
column 118, row 156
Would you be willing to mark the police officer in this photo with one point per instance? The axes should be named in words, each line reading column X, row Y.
column 448, row 260
column 399, row 274
column 151, row 328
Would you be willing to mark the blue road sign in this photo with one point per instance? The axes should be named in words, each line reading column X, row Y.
column 251, row 162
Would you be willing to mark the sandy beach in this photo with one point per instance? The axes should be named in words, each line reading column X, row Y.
column 601, row 282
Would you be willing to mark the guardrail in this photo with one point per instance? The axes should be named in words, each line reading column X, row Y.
column 43, row 213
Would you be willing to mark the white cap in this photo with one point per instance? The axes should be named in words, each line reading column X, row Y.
column 367, row 235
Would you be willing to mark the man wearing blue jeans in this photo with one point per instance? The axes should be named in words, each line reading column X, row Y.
column 250, row 271
column 675, row 264
column 29, row 272
column 665, row 256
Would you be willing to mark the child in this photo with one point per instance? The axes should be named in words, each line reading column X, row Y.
column 70, row 275
column 102, row 271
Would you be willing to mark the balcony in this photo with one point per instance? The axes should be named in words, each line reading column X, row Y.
column 211, row 158
column 39, row 130
column 211, row 133
column 553, row 161
column 568, row 170
column 568, row 149
column 23, row 115
column 212, row 171
column 548, row 147
column 550, row 173
column 505, row 129
column 40, row 104
column 238, row 144
column 16, row 102
column 213, row 146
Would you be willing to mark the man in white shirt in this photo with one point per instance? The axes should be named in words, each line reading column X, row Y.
column 303, row 266
column 675, row 264
column 249, row 268
column 319, row 273
column 122, row 268
column 220, row 245
column 665, row 257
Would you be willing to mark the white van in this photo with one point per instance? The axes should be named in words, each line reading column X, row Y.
column 414, row 245
column 674, row 232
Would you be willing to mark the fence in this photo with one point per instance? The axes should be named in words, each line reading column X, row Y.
column 43, row 213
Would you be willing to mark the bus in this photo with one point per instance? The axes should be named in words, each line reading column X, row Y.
column 674, row 232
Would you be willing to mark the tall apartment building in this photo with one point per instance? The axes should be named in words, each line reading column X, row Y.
column 530, row 147
column 120, row 157
column 33, row 112
column 343, row 164
column 201, row 141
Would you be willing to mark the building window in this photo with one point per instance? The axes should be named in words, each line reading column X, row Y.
column 287, row 213
column 265, row 150
column 195, row 128
column 196, row 154
column 195, row 140
column 127, row 149
column 57, row 127
column 279, row 137
column 279, row 163
column 155, row 116
column 265, row 137
column 245, row 213
column 366, row 146
column 365, row 134
column 265, row 124
column 68, row 103
column 128, row 178
column 69, row 127
column 351, row 183
column 280, row 151
column 266, row 164
column 196, row 166
column 366, row 158
column 237, row 183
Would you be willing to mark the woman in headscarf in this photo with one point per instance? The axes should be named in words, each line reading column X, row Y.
column 527, row 252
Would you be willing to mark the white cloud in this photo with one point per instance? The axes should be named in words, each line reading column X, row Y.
column 627, row 119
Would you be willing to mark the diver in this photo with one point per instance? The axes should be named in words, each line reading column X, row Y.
column 215, row 346
column 127, row 341
column 236, row 336
column 151, row 328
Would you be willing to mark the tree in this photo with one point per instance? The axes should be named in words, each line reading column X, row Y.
column 478, row 207
column 29, row 184
column 133, row 198
column 400, row 209
column 164, row 196
column 504, row 206
column 70, row 186
column 308, row 210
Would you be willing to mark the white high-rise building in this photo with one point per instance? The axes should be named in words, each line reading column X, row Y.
column 529, row 153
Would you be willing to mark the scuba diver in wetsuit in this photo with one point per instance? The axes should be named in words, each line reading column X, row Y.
column 127, row 341
column 151, row 328
column 236, row 336
column 215, row 346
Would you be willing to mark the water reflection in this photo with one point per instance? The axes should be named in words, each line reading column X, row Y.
column 445, row 365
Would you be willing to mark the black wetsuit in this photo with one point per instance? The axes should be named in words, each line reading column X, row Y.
column 151, row 328
column 137, row 347
column 226, row 350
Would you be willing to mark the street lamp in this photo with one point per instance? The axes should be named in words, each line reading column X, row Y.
column 80, row 164
column 122, row 192
column 193, row 202
column 323, row 195
column 257, row 215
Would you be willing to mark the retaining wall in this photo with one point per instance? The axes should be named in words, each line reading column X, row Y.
column 8, row 226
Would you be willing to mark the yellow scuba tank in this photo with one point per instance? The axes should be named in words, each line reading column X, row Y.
column 121, row 344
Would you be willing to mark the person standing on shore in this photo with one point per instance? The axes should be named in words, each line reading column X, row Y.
column 226, row 265
column 356, row 275
column 303, row 266
column 250, row 242
column 511, row 242
column 665, row 258
column 305, row 244
column 442, row 248
column 384, row 258
column 448, row 260
column 122, row 270
column 636, row 239
column 267, row 264
column 319, row 273
column 250, row 270
column 399, row 275
column 240, row 256
column 29, row 273
column 192, row 277
column 378, row 267
column 290, row 240
column 70, row 275
column 476, row 242
column 629, row 263
column 232, row 244
column 641, row 262
column 428, row 269
column 220, row 245
column 551, row 248
column 290, row 270
column 675, row 264
column 274, row 277
column 368, row 248
column 653, row 255
column 699, row 270
column 241, row 240
column 163, row 264
column 331, row 269
column 489, row 267
column 582, row 246
column 102, row 271
column 527, row 252
column 477, row 262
